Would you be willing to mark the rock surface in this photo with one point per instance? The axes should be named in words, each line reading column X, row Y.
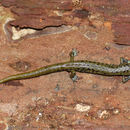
column 51, row 101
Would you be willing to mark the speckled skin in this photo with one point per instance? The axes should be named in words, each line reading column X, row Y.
column 122, row 69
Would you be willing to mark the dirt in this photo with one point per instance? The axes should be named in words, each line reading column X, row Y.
column 53, row 101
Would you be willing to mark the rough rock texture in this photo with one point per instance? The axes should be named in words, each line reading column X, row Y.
column 35, row 14
column 98, row 30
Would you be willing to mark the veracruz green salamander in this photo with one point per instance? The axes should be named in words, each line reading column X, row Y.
column 123, row 69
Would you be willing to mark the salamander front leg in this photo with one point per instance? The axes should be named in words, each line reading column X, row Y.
column 73, row 53
column 73, row 75
column 125, row 79
column 124, row 61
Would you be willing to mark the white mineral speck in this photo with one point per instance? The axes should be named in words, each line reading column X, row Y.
column 23, row 32
column 82, row 108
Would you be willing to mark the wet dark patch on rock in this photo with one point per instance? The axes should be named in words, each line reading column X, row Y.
column 20, row 65
column 14, row 83
column 81, row 13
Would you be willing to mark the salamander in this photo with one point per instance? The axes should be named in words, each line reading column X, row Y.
column 83, row 66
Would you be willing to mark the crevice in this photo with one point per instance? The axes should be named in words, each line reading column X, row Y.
column 16, row 33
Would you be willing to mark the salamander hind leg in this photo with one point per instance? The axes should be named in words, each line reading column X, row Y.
column 125, row 79
column 73, row 76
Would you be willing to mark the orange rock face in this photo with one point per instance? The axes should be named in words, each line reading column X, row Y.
column 35, row 33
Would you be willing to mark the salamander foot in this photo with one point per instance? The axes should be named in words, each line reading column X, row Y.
column 73, row 53
column 124, row 61
column 73, row 76
column 125, row 79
